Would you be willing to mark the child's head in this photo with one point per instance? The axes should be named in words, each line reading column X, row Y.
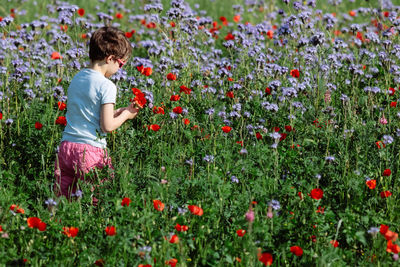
column 109, row 41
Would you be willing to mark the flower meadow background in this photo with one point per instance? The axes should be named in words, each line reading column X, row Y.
column 270, row 135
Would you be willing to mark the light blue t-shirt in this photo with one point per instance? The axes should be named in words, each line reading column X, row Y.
column 89, row 89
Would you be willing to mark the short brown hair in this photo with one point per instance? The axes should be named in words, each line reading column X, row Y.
column 108, row 41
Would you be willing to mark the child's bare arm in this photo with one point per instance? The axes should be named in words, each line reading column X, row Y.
column 110, row 121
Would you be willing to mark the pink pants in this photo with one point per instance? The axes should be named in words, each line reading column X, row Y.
column 73, row 162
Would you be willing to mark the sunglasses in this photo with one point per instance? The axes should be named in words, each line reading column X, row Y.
column 121, row 63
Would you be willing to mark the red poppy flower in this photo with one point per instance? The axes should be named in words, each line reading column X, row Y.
column 56, row 55
column 145, row 71
column 175, row 97
column 1, row 116
column 177, row 110
column 316, row 193
column 171, row 76
column 158, row 205
column 144, row 265
column 139, row 99
column 295, row 73
column 392, row 91
column 1, row 229
column 392, row 248
column 236, row 18
column 258, row 136
column 185, row 90
column 288, row 128
column 195, row 210
column 387, row 172
column 186, row 121
column 151, row 25
column 99, row 262
column 110, row 230
column 61, row 105
column 126, row 201
column 226, row 129
column 380, row 144
column 174, row 239
column 81, row 12
column 267, row 91
column 61, row 120
column 270, row 34
column 158, row 110
column 172, row 24
column 265, row 258
column 393, row 104
column 383, row 229
column 119, row 16
column 17, row 209
column 230, row 94
column 229, row 36
column 240, row 232
column 35, row 222
column 385, row 194
column 181, row 228
column 70, row 231
column 371, row 184
column 283, row 136
column 230, row 79
column 334, row 243
column 128, row 34
column 171, row 262
column 296, row 250
column 154, row 127
column 83, row 35
column 352, row 13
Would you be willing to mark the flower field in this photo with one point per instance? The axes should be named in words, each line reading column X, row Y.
column 270, row 134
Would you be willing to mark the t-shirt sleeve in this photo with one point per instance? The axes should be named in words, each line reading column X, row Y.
column 108, row 93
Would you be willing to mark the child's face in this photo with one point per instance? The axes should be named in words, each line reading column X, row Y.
column 113, row 65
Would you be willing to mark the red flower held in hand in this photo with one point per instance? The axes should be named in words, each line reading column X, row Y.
column 38, row 125
column 181, row 228
column 385, row 194
column 177, row 110
column 171, row 76
column 70, row 231
column 317, row 193
column 295, row 73
column 110, row 230
column 125, row 202
column 139, row 99
column 158, row 205
column 296, row 250
column 371, row 184
column 226, row 129
column 61, row 120
column 195, row 210
column 387, row 172
column 240, row 232
column 81, row 12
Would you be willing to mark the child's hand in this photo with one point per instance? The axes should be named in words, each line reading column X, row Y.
column 133, row 110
